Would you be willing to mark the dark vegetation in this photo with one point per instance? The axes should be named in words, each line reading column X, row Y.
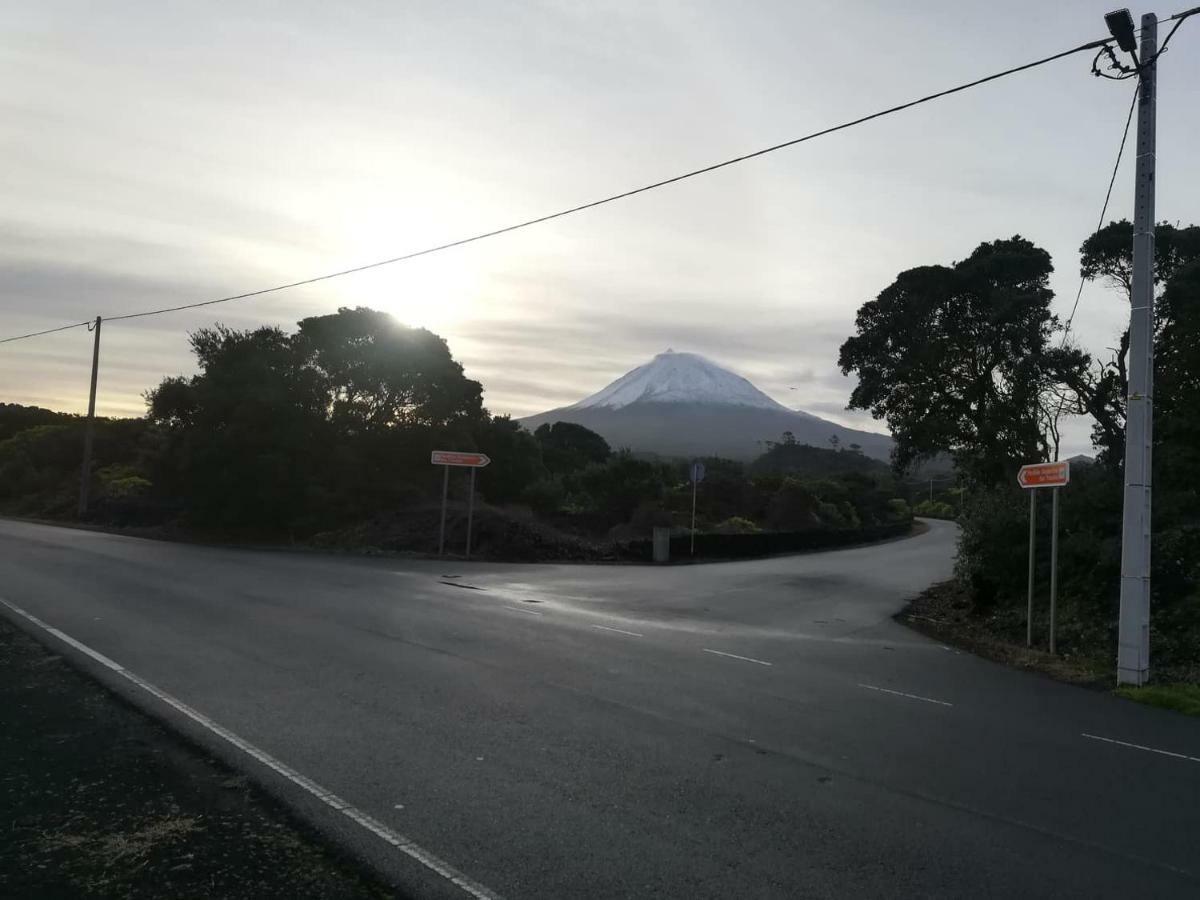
column 323, row 436
column 968, row 358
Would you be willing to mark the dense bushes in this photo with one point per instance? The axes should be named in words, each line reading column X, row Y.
column 713, row 545
column 993, row 556
column 934, row 509
column 318, row 430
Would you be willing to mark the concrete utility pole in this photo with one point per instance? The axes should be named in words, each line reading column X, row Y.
column 85, row 475
column 1133, row 642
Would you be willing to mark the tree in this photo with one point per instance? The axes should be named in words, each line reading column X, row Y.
column 248, row 431
column 958, row 358
column 516, row 460
column 1177, row 390
column 380, row 374
column 620, row 485
column 292, row 432
column 1108, row 255
column 568, row 447
column 789, row 457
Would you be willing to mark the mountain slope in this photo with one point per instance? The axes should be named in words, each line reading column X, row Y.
column 681, row 404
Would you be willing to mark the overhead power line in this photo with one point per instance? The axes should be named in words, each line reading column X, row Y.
column 1103, row 211
column 33, row 334
column 1090, row 45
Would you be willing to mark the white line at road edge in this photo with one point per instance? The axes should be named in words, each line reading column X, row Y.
column 1096, row 737
column 761, row 662
column 528, row 612
column 871, row 687
column 618, row 630
column 330, row 799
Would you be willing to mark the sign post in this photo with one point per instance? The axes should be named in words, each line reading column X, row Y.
column 445, row 492
column 697, row 475
column 471, row 516
column 457, row 458
column 1053, row 560
column 1038, row 475
column 1032, row 560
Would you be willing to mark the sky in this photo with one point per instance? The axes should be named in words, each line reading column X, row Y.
column 154, row 154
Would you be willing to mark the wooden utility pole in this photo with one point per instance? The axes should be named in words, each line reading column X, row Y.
column 89, row 427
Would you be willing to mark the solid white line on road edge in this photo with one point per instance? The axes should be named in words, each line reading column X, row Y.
column 330, row 799
column 528, row 612
column 761, row 662
column 1096, row 737
column 618, row 630
column 871, row 687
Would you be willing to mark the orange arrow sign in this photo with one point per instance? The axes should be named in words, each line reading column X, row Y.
column 1053, row 474
column 458, row 458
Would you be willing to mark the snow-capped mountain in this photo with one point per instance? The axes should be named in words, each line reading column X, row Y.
column 682, row 404
column 679, row 378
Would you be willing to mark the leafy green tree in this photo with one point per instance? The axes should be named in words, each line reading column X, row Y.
column 516, row 460
column 793, row 507
column 724, row 493
column 787, row 456
column 294, row 432
column 619, row 486
column 1177, row 394
column 378, row 373
column 15, row 418
column 568, row 447
column 250, row 431
column 1108, row 256
column 958, row 358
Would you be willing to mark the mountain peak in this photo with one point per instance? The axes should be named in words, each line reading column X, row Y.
column 679, row 377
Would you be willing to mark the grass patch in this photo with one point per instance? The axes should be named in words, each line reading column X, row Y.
column 1184, row 698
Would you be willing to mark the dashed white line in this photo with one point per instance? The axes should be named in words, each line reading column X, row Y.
column 528, row 612
column 330, row 799
column 618, row 630
column 1096, row 737
column 761, row 662
column 871, row 687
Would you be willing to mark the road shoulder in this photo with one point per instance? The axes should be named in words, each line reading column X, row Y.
column 101, row 800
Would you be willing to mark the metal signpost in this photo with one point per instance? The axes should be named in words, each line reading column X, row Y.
column 697, row 476
column 1051, row 475
column 472, row 461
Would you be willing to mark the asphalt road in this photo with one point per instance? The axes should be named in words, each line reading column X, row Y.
column 751, row 729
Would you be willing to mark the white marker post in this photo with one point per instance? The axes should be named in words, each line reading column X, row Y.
column 446, row 459
column 1052, row 475
column 697, row 475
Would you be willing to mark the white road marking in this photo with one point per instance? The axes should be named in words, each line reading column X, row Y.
column 330, row 799
column 871, row 687
column 528, row 612
column 761, row 662
column 1096, row 737
column 618, row 630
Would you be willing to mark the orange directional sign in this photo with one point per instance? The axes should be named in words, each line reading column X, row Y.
column 1053, row 474
column 457, row 458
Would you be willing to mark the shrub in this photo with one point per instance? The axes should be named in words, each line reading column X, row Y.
column 736, row 525
column 934, row 509
column 545, row 495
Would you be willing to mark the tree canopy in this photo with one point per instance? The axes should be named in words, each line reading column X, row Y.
column 1108, row 256
column 568, row 447
column 958, row 358
column 335, row 417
